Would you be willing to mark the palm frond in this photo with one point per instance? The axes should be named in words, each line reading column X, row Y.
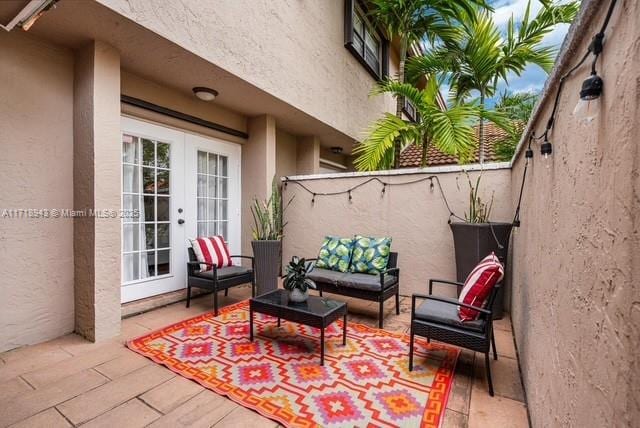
column 376, row 151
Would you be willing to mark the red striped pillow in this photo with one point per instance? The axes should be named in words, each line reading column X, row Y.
column 478, row 286
column 212, row 250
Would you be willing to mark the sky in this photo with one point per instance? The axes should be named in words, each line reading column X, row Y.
column 533, row 78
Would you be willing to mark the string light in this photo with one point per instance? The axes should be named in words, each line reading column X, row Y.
column 591, row 87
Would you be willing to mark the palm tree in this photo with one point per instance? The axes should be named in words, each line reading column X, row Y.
column 480, row 58
column 412, row 21
column 518, row 107
column 451, row 130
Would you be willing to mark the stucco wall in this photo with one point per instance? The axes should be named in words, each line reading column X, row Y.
column 576, row 264
column 278, row 46
column 286, row 152
column 413, row 215
column 36, row 171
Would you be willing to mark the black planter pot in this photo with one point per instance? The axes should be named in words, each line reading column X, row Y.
column 475, row 241
column 267, row 256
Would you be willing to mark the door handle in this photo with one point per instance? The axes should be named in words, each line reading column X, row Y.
column 180, row 221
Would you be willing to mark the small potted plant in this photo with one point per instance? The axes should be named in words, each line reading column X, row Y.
column 296, row 281
column 477, row 237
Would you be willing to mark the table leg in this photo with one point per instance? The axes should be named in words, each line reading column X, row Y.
column 250, row 325
column 344, row 330
column 322, row 346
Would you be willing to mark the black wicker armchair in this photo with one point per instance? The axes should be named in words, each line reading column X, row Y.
column 218, row 279
column 437, row 318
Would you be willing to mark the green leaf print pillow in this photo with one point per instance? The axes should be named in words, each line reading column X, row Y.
column 335, row 253
column 370, row 255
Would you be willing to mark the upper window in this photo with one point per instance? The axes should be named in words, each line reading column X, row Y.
column 364, row 41
column 410, row 110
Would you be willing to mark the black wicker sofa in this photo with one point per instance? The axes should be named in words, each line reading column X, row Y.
column 375, row 288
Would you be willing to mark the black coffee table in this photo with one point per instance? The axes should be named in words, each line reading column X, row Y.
column 316, row 312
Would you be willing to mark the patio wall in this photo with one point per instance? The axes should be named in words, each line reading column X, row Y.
column 36, row 171
column 413, row 215
column 576, row 302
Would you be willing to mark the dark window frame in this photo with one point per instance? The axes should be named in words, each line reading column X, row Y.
column 406, row 109
column 383, row 73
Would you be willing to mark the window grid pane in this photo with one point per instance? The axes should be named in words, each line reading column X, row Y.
column 146, row 186
column 212, row 196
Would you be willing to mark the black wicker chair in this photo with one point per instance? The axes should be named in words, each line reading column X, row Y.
column 218, row 279
column 437, row 318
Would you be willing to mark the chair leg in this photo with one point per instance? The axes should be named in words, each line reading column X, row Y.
column 493, row 344
column 488, row 365
column 215, row 303
column 188, row 295
column 226, row 292
column 381, row 313
column 398, row 303
column 411, row 349
column 320, row 291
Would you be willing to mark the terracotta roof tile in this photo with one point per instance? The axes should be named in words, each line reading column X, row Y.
column 411, row 157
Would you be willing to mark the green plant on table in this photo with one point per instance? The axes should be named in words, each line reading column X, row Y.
column 296, row 277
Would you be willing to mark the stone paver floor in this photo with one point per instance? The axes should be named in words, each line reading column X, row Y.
column 69, row 381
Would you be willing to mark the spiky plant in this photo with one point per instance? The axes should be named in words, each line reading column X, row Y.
column 479, row 211
column 268, row 215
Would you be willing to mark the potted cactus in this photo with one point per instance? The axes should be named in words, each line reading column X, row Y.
column 296, row 280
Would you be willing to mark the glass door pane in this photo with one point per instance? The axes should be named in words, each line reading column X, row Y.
column 146, row 184
column 212, row 195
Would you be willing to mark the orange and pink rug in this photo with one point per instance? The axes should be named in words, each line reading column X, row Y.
column 365, row 383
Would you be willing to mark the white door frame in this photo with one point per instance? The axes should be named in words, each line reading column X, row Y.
column 183, row 191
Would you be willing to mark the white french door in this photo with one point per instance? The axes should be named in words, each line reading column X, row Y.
column 182, row 186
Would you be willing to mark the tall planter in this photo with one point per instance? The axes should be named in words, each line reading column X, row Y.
column 267, row 256
column 473, row 242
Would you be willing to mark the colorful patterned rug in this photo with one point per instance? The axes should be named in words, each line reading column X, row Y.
column 365, row 383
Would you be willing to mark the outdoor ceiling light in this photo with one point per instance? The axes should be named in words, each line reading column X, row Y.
column 336, row 149
column 205, row 94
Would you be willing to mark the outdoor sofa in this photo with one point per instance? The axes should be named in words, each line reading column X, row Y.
column 375, row 288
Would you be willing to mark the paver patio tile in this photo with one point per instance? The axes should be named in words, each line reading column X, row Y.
column 462, row 381
column 171, row 394
column 67, row 367
column 503, row 324
column 486, row 411
column 30, row 358
column 505, row 376
column 203, row 410
column 453, row 419
column 132, row 414
column 50, row 418
column 504, row 343
column 76, row 344
column 127, row 362
column 13, row 387
column 30, row 403
column 130, row 329
column 241, row 417
column 97, row 401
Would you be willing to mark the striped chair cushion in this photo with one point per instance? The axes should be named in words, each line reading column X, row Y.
column 478, row 286
column 211, row 250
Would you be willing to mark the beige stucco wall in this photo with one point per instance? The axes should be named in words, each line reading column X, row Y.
column 36, row 171
column 576, row 264
column 413, row 215
column 278, row 46
column 286, row 151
